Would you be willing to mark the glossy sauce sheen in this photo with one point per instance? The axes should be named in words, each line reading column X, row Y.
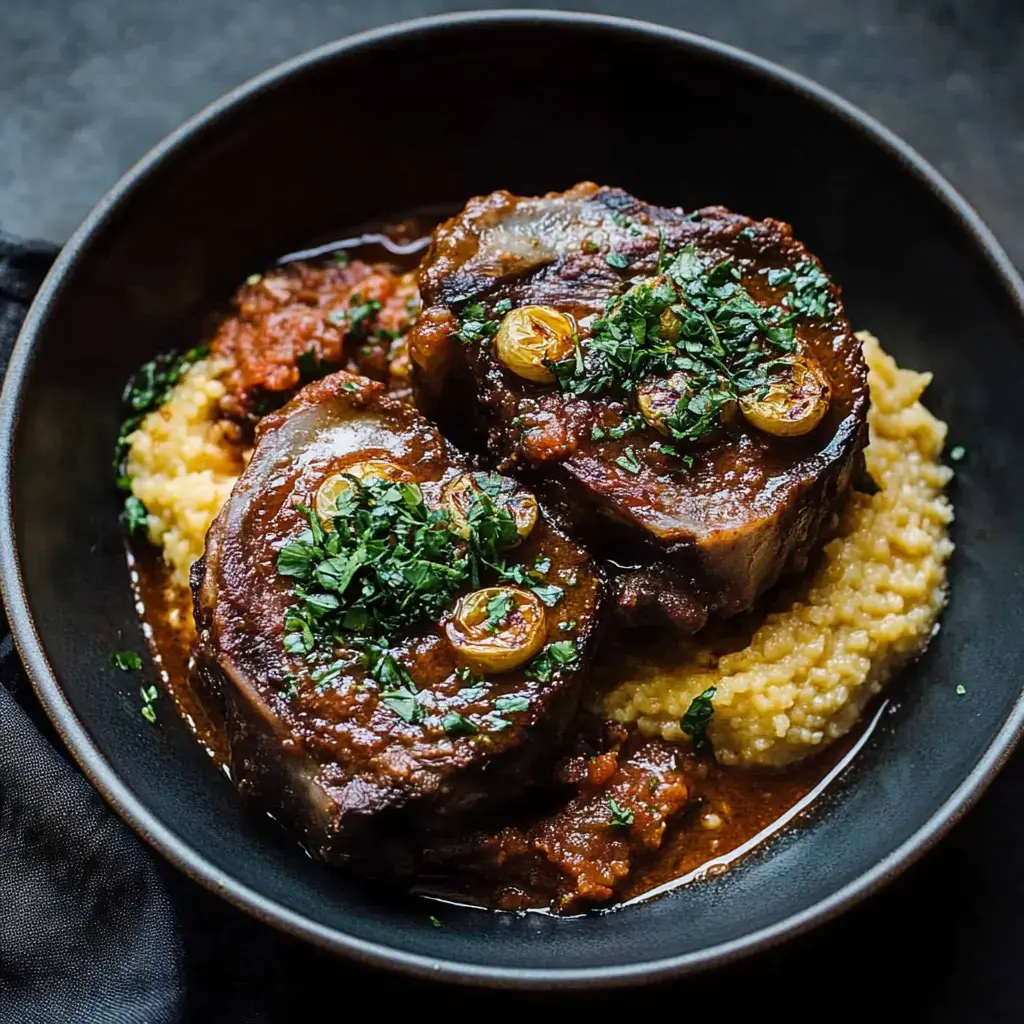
column 698, row 812
column 747, row 803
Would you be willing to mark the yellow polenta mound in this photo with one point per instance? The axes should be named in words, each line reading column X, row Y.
column 182, row 468
column 803, row 677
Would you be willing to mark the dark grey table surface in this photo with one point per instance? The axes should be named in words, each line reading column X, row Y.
column 87, row 87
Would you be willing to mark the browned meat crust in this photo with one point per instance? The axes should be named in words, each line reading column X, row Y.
column 750, row 507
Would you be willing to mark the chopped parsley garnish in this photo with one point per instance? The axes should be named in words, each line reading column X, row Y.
column 499, row 608
column 549, row 593
column 699, row 321
column 695, row 722
column 511, row 703
column 147, row 390
column 620, row 817
column 554, row 656
column 390, row 562
column 474, row 324
column 811, row 293
column 403, row 702
column 434, row 921
column 957, row 453
column 355, row 319
column 567, row 626
column 309, row 364
column 960, row 689
column 629, row 425
column 360, row 315
column 134, row 516
column 629, row 462
column 617, row 260
column 149, row 695
column 126, row 661
column 542, row 563
column 495, row 723
column 455, row 724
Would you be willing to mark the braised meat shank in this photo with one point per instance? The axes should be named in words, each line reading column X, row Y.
column 368, row 742
column 650, row 371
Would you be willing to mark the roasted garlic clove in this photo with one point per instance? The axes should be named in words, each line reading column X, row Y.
column 497, row 629
column 797, row 398
column 459, row 495
column 532, row 336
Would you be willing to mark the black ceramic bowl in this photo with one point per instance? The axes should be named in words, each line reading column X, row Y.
column 428, row 114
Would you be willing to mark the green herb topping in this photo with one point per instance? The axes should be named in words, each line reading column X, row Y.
column 149, row 695
column 499, row 608
column 695, row 722
column 553, row 657
column 628, row 461
column 474, row 323
column 126, row 661
column 357, row 318
column 511, row 703
column 147, row 390
column 389, row 563
column 699, row 321
column 620, row 817
column 134, row 515
column 455, row 724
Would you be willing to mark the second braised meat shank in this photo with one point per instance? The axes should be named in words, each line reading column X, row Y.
column 703, row 520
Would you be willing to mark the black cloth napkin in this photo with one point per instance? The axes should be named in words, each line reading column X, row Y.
column 88, row 933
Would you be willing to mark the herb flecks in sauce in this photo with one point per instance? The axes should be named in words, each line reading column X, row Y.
column 554, row 656
column 126, row 661
column 148, row 694
column 620, row 816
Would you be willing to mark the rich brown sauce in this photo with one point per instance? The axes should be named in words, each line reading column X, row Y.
column 750, row 806
column 732, row 810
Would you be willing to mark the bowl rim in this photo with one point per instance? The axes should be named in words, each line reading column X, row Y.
column 132, row 810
